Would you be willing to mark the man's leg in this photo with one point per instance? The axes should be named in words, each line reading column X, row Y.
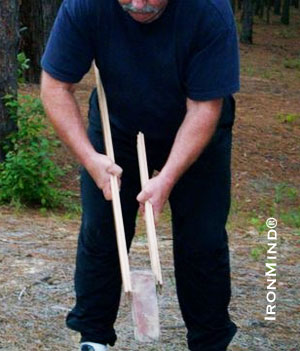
column 97, row 275
column 200, row 203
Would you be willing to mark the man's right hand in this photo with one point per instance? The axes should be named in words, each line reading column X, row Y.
column 100, row 168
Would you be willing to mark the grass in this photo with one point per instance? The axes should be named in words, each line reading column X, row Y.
column 259, row 224
column 279, row 200
column 286, row 33
column 292, row 63
column 288, row 117
column 297, row 232
column 285, row 192
column 286, row 199
column 73, row 211
column 291, row 217
column 248, row 70
column 267, row 74
column 257, row 252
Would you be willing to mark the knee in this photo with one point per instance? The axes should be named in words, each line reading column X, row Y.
column 205, row 259
column 98, row 238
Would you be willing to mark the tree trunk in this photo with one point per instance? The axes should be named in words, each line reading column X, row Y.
column 256, row 7
column 285, row 17
column 50, row 9
column 32, row 42
column 247, row 22
column 268, row 10
column 277, row 7
column 239, row 5
column 261, row 9
column 233, row 5
column 296, row 3
column 38, row 17
column 9, row 37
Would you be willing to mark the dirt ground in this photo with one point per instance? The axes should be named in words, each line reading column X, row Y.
column 37, row 250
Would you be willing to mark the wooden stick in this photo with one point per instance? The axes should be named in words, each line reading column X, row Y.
column 144, row 177
column 149, row 216
column 150, row 219
column 119, row 224
column 148, row 210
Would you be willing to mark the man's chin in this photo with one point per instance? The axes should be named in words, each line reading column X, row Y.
column 144, row 17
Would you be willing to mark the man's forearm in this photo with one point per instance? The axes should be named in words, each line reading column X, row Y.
column 64, row 113
column 192, row 137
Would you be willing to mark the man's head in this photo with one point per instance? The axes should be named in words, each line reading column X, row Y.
column 144, row 11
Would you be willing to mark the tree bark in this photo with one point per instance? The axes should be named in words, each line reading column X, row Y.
column 277, row 7
column 32, row 42
column 269, row 4
column 285, row 17
column 50, row 9
column 258, row 8
column 261, row 9
column 247, row 22
column 38, row 17
column 9, row 38
column 233, row 5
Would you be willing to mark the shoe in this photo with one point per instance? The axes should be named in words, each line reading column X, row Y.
column 91, row 346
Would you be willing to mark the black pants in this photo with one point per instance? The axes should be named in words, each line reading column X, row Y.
column 199, row 203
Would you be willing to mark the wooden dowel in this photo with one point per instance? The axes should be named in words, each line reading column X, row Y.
column 152, row 232
column 149, row 217
column 150, row 220
column 143, row 178
column 118, row 218
column 151, row 224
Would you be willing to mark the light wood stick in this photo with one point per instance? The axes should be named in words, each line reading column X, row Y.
column 151, row 224
column 150, row 219
column 149, row 216
column 149, row 212
column 144, row 178
column 119, row 224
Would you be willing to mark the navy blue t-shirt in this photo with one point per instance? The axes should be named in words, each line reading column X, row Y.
column 148, row 70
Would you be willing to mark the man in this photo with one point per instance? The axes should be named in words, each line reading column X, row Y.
column 169, row 69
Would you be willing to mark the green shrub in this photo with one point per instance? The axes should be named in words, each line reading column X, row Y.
column 28, row 174
column 23, row 65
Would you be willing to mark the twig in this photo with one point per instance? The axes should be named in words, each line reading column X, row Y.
column 22, row 293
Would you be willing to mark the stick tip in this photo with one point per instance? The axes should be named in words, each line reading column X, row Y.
column 159, row 287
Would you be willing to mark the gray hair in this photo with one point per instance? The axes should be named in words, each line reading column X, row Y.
column 146, row 9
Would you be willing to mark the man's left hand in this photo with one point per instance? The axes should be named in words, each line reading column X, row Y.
column 156, row 191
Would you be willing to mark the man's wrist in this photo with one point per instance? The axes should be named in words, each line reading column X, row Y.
column 89, row 159
column 168, row 177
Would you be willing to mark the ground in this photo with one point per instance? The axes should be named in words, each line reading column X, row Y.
column 37, row 249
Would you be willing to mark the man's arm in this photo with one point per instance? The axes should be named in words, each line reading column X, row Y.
column 64, row 113
column 191, row 139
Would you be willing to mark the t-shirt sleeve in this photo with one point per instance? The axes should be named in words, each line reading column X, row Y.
column 213, row 70
column 69, row 51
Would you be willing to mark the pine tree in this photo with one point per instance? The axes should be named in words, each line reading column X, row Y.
column 36, row 17
column 9, row 36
